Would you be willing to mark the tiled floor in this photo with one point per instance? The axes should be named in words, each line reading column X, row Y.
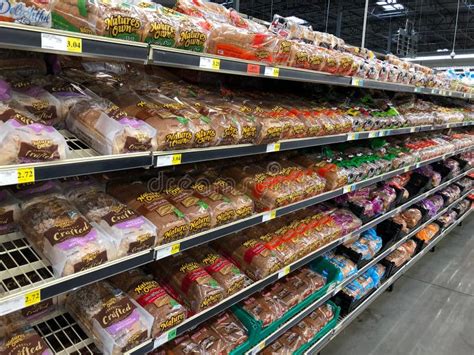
column 429, row 312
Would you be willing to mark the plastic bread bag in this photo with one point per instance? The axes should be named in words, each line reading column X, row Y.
column 190, row 280
column 412, row 217
column 427, row 233
column 230, row 329
column 43, row 106
column 129, row 231
column 450, row 194
column 368, row 245
column 230, row 41
column 65, row 237
column 26, row 340
column 432, row 204
column 447, row 219
column 222, row 270
column 346, row 267
column 398, row 257
column 149, row 294
column 250, row 255
column 463, row 206
column 346, row 221
column 23, row 141
column 109, row 130
column 179, row 346
column 195, row 209
column 171, row 223
column 34, row 13
column 9, row 213
column 428, row 171
column 465, row 183
column 117, row 322
column 281, row 297
column 244, row 205
column 222, row 210
column 410, row 247
column 304, row 282
column 172, row 131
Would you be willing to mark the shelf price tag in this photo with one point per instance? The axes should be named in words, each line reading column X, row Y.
column 164, row 338
column 8, row 177
column 260, row 346
column 273, row 147
column 417, row 89
column 271, row 71
column 25, row 175
column 412, row 129
column 175, row 248
column 61, row 43
column 268, row 216
column 167, row 160
column 32, row 298
column 253, row 69
column 169, row 250
column 12, row 305
column 375, row 134
column 209, row 63
column 357, row 82
column 352, row 136
column 283, row 272
column 348, row 188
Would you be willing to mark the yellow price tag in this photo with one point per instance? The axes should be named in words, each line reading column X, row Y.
column 284, row 272
column 175, row 249
column 216, row 64
column 261, row 346
column 74, row 45
column 277, row 146
column 271, row 71
column 268, row 216
column 176, row 160
column 26, row 175
column 32, row 298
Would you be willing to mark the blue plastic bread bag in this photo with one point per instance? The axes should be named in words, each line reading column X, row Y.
column 368, row 245
column 346, row 267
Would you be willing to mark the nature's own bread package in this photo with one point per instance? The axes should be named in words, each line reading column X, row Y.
column 149, row 294
column 116, row 321
column 190, row 281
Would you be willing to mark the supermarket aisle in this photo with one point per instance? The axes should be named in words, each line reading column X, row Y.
column 430, row 311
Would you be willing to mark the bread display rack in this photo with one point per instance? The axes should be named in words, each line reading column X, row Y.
column 27, row 277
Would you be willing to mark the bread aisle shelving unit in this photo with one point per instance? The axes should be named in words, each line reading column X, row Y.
column 345, row 321
column 337, row 288
column 30, row 276
column 60, row 329
column 29, row 38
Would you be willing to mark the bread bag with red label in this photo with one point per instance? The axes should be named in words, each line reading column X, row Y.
column 250, row 255
column 190, row 280
column 65, row 236
column 129, row 231
column 222, row 270
column 116, row 321
column 149, row 294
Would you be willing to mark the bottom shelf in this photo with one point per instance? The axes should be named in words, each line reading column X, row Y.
column 346, row 320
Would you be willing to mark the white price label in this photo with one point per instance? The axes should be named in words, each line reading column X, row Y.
column 268, row 216
column 417, row 89
column 271, row 71
column 352, row 136
column 164, row 338
column 167, row 160
column 375, row 134
column 61, row 43
column 357, row 82
column 284, row 272
column 347, row 189
column 8, row 177
column 12, row 305
column 163, row 252
column 210, row 63
column 412, row 129
column 273, row 147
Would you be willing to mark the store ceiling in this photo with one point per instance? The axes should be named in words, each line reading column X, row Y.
column 433, row 20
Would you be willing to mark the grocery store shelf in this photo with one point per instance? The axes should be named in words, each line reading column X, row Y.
column 345, row 321
column 23, row 271
column 37, row 39
column 337, row 288
column 82, row 160
column 64, row 336
column 259, row 285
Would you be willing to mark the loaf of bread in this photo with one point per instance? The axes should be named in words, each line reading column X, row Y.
column 129, row 231
column 27, row 12
column 222, row 270
column 109, row 130
column 26, row 341
column 64, row 236
column 116, row 321
column 250, row 255
column 172, row 224
column 9, row 212
column 148, row 293
column 191, row 281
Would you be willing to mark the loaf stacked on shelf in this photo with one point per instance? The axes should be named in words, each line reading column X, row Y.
column 202, row 26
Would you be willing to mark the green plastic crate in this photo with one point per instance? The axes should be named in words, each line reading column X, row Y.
column 255, row 327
